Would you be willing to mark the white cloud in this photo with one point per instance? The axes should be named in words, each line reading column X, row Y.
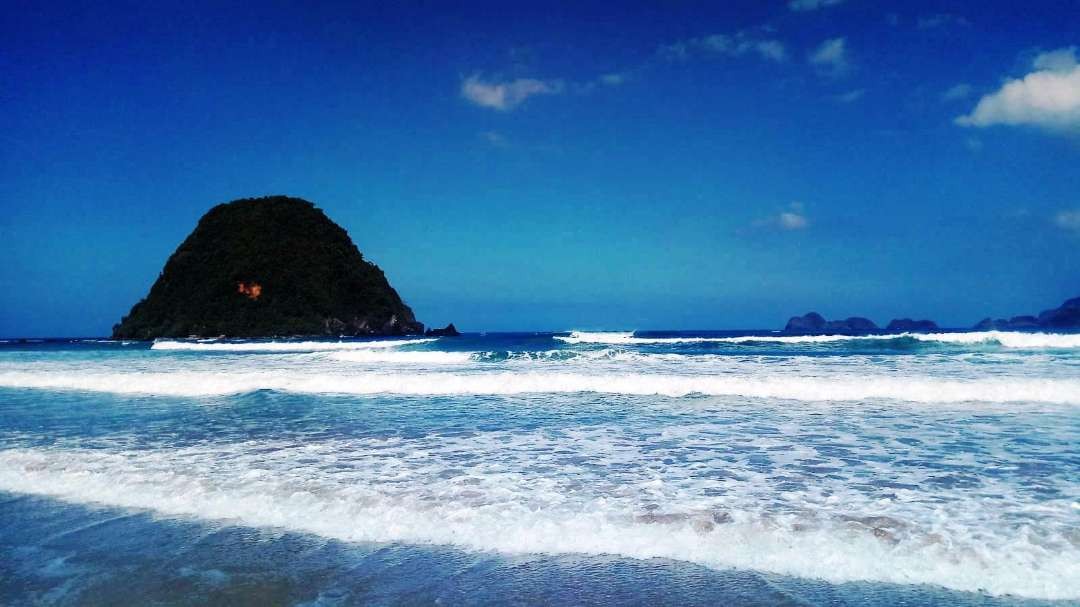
column 959, row 91
column 1048, row 97
column 851, row 96
column 731, row 45
column 505, row 96
column 1061, row 60
column 495, row 139
column 790, row 220
column 1068, row 220
column 771, row 49
column 613, row 79
column 811, row 5
column 831, row 57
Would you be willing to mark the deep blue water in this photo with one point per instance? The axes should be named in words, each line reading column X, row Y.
column 590, row 468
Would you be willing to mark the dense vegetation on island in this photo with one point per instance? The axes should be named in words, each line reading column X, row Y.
column 261, row 267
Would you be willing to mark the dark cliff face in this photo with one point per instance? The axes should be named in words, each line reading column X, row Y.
column 262, row 267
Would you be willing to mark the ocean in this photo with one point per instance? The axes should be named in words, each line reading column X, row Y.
column 712, row 468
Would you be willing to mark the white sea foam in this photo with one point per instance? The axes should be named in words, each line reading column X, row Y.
column 630, row 339
column 436, row 357
column 400, row 491
column 282, row 346
column 94, row 341
column 577, row 356
column 1007, row 339
column 599, row 337
column 835, row 388
column 430, row 357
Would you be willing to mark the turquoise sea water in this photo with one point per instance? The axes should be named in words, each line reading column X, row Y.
column 580, row 468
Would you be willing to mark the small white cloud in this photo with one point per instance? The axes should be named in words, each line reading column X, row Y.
column 831, row 57
column 1068, row 220
column 959, row 91
column 505, row 96
column 613, row 79
column 676, row 51
column 771, row 49
column 851, row 96
column 1048, row 97
column 730, row 45
column 495, row 138
column 790, row 220
column 811, row 5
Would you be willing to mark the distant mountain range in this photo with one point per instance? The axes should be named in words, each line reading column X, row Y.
column 1067, row 316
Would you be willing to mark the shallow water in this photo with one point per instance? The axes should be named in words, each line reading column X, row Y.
column 656, row 468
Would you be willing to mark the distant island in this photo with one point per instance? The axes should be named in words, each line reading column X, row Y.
column 812, row 322
column 907, row 325
column 265, row 267
column 1067, row 316
column 448, row 331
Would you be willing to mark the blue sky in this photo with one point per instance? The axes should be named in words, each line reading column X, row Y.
column 663, row 165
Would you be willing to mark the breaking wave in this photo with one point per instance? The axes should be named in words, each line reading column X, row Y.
column 788, row 387
column 497, row 356
column 374, row 355
column 282, row 346
column 1006, row 339
column 333, row 496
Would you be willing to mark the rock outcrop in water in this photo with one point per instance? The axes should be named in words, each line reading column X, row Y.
column 448, row 331
column 812, row 322
column 907, row 325
column 1067, row 316
column 262, row 267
